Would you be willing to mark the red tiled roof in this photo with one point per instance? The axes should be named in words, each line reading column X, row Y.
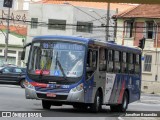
column 142, row 11
column 16, row 29
column 98, row 5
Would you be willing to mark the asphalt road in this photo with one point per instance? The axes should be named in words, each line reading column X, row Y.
column 12, row 98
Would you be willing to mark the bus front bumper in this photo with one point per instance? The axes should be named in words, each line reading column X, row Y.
column 66, row 97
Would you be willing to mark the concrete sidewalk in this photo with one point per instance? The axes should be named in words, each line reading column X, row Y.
column 150, row 98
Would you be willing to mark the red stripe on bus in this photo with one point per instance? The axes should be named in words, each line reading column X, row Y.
column 122, row 92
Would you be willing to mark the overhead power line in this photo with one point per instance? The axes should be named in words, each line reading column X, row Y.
column 28, row 22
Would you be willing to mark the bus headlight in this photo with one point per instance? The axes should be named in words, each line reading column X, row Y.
column 77, row 88
column 28, row 85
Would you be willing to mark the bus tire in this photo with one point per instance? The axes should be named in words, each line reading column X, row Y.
column 122, row 107
column 96, row 106
column 21, row 83
column 46, row 104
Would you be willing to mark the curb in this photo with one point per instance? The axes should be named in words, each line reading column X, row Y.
column 150, row 101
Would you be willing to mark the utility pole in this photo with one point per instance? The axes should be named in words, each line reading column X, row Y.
column 115, row 26
column 7, row 37
column 8, row 4
column 107, row 21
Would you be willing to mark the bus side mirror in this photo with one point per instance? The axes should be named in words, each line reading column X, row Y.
column 23, row 52
column 23, row 55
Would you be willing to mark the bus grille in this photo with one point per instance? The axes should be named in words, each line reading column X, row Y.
column 52, row 90
column 58, row 97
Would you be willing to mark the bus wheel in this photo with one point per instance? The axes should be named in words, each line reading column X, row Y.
column 46, row 104
column 22, row 83
column 123, row 107
column 96, row 106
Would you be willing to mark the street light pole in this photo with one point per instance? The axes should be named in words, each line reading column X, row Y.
column 107, row 21
column 7, row 37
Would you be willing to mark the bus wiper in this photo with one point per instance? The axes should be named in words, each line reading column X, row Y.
column 60, row 66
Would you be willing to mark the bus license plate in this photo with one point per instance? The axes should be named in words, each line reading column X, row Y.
column 51, row 95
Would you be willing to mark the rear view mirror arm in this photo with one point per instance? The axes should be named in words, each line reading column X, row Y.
column 23, row 52
column 28, row 44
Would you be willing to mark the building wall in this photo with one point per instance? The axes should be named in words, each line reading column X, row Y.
column 15, row 45
column 71, row 15
column 16, row 5
column 150, row 80
column 120, row 32
column 139, row 32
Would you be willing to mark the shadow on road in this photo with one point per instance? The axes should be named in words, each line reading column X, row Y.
column 71, row 112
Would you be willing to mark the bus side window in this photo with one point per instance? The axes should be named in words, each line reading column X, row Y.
column 92, row 59
column 137, row 64
column 91, row 63
column 110, row 61
column 124, row 62
column 117, row 61
column 102, row 59
column 131, row 64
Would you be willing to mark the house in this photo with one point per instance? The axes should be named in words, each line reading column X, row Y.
column 15, row 44
column 87, row 19
column 134, row 24
column 17, row 36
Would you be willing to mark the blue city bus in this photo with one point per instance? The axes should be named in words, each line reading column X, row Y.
column 82, row 72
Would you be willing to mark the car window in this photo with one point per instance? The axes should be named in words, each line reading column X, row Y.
column 17, row 70
column 23, row 70
column 7, row 70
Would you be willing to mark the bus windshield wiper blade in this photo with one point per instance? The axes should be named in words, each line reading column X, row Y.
column 60, row 66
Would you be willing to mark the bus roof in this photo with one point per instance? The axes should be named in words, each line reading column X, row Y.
column 89, row 41
column 60, row 37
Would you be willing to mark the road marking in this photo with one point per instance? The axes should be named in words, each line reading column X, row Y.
column 10, row 86
column 119, row 118
column 145, row 104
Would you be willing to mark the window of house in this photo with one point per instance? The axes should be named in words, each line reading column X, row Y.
column 150, row 31
column 11, row 51
column 34, row 22
column 56, row 24
column 84, row 27
column 129, row 29
column 147, row 63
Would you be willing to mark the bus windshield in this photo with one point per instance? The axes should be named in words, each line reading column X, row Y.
column 57, row 59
